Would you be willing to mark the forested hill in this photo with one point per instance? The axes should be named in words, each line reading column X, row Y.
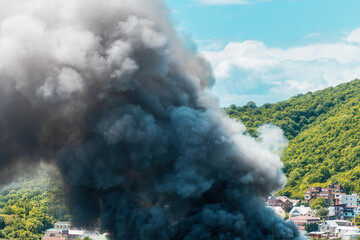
column 32, row 204
column 323, row 129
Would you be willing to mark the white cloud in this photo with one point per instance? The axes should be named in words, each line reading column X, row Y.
column 250, row 70
column 354, row 36
column 228, row 2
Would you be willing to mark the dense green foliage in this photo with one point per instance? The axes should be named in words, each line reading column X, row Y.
column 323, row 129
column 312, row 227
column 318, row 203
column 357, row 220
column 31, row 205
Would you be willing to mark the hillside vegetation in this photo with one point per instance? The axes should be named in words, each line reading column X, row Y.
column 31, row 205
column 323, row 129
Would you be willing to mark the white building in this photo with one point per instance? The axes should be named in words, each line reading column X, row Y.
column 350, row 235
column 301, row 211
column 349, row 200
column 331, row 225
column 344, row 232
column 62, row 225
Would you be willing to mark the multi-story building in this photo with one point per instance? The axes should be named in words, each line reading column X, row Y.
column 349, row 200
column 336, row 211
column 331, row 194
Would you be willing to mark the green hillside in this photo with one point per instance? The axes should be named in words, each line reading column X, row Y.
column 31, row 205
column 323, row 129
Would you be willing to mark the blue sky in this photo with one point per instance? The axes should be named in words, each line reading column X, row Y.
column 270, row 50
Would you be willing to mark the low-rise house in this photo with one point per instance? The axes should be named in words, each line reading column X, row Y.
column 278, row 211
column 294, row 202
column 301, row 211
column 279, row 201
column 62, row 225
column 75, row 234
column 53, row 235
column 346, row 231
column 63, row 230
column 331, row 225
column 352, row 235
column 302, row 221
column 318, row 235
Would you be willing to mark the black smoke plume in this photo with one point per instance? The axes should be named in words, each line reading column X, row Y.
column 107, row 91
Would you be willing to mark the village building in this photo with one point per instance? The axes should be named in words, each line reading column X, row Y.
column 302, row 221
column 349, row 212
column 75, row 234
column 350, row 235
column 64, row 231
column 331, row 194
column 317, row 235
column 347, row 232
column 53, row 235
column 301, row 211
column 278, row 211
column 294, row 202
column 341, row 211
column 62, row 225
column 279, row 201
column 349, row 200
column 331, row 225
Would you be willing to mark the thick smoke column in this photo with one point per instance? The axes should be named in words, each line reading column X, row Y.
column 108, row 91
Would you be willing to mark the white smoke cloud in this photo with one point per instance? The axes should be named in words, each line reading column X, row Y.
column 272, row 138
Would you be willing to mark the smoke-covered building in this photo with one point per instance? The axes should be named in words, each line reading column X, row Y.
column 302, row 221
column 278, row 211
column 279, row 201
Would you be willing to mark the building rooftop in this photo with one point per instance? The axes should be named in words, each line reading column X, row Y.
column 76, row 232
column 62, row 222
column 304, row 219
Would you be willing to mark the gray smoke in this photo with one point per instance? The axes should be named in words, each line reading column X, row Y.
column 107, row 90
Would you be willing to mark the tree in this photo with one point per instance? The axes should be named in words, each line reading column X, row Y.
column 322, row 213
column 357, row 220
column 318, row 203
column 312, row 227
